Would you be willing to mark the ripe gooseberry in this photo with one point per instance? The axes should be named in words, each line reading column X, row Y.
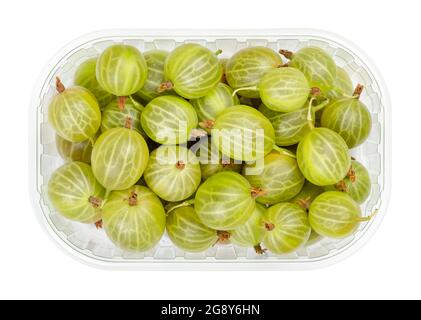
column 173, row 173
column 119, row 157
column 75, row 193
column 210, row 106
column 251, row 233
column 74, row 151
column 85, row 76
column 349, row 117
column 317, row 66
column 335, row 214
column 134, row 219
column 280, row 180
column 287, row 228
column 112, row 117
column 169, row 120
column 212, row 161
column 187, row 232
column 247, row 67
column 283, row 89
column 357, row 183
column 225, row 201
column 121, row 70
column 74, row 113
column 192, row 71
column 155, row 60
column 242, row 133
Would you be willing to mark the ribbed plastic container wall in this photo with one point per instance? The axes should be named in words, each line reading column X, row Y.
column 91, row 245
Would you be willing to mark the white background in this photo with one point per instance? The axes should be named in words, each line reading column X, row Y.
column 31, row 266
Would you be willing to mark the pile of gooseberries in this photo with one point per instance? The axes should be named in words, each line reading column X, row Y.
column 253, row 150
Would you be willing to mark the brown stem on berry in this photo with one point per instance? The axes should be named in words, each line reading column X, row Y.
column 358, row 90
column 286, row 53
column 257, row 192
column 59, row 85
column 341, row 186
column 165, row 86
column 132, row 199
column 207, row 124
column 99, row 224
column 128, row 123
column 304, row 203
column 351, row 175
column 227, row 163
column 284, row 65
column 95, row 202
column 269, row 226
column 314, row 92
column 259, row 249
column 121, row 102
column 223, row 236
column 180, row 165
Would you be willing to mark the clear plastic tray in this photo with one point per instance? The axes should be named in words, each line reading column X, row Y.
column 90, row 245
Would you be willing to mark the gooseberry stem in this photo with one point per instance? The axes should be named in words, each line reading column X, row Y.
column 99, row 224
column 95, row 201
column 207, row 124
column 284, row 65
column 286, row 53
column 320, row 106
column 128, row 123
column 252, row 88
column 269, row 226
column 121, row 101
column 368, row 218
column 59, row 85
column 351, row 175
column 137, row 104
column 223, row 236
column 284, row 152
column 132, row 199
column 304, row 203
column 180, row 205
column 257, row 192
column 358, row 90
column 165, row 86
column 259, row 250
column 218, row 52
column 180, row 165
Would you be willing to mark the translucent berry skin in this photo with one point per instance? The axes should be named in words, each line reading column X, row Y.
column 247, row 67
column 334, row 214
column 318, row 67
column 290, row 127
column 113, row 117
column 74, row 151
column 187, row 232
column 85, row 76
column 359, row 187
column 169, row 120
column 224, row 201
column 70, row 189
column 134, row 219
column 215, row 102
column 75, row 114
column 173, row 173
column 119, row 157
column 121, row 70
column 342, row 85
column 290, row 228
column 251, row 233
column 155, row 59
column 308, row 193
column 280, row 180
column 323, row 157
column 237, row 134
column 212, row 161
column 284, row 89
column 193, row 70
column 350, row 118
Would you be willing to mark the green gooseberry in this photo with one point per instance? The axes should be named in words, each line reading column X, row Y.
column 173, row 173
column 187, row 232
column 74, row 151
column 287, row 228
column 192, row 70
column 119, row 157
column 242, row 133
column 316, row 64
column 85, row 76
column 121, row 70
column 323, row 157
column 225, row 201
column 356, row 184
column 75, row 193
column 279, row 179
column 350, row 118
column 134, row 219
column 74, row 113
column 247, row 67
column 155, row 59
column 335, row 214
column 169, row 120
